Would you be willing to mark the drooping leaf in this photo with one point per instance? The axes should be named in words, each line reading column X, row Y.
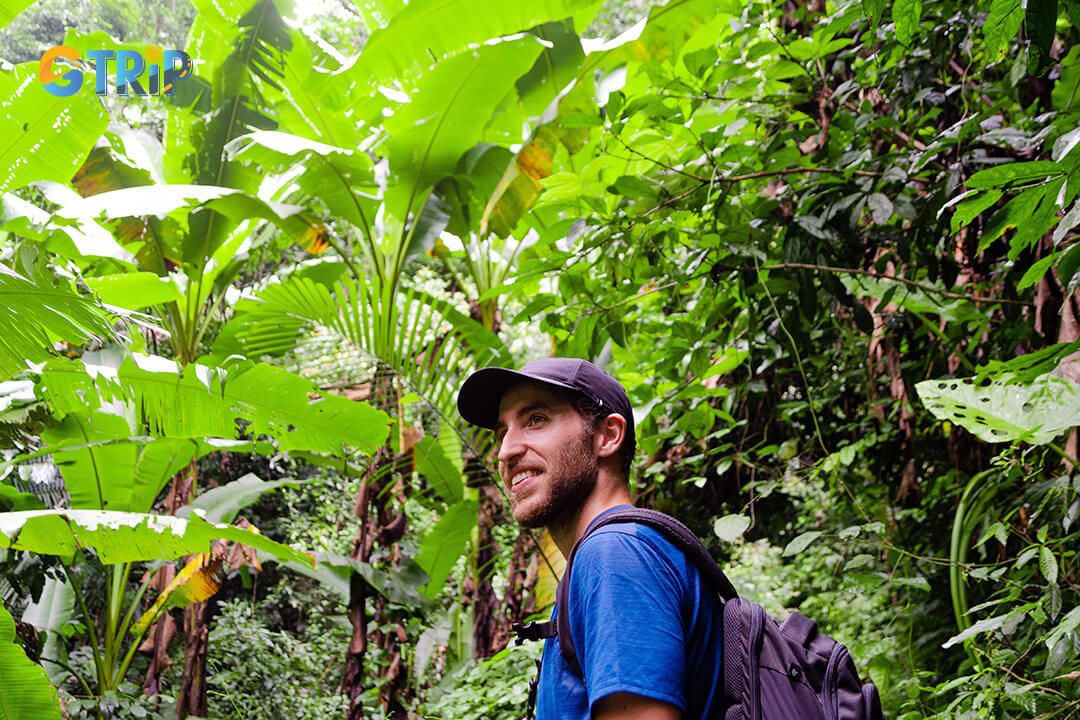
column 986, row 625
column 1004, row 411
column 120, row 537
column 199, row 579
column 49, row 614
column 223, row 503
column 1040, row 26
column 134, row 290
column 36, row 312
column 873, row 10
column 26, row 691
column 436, row 468
column 336, row 573
column 444, row 543
column 1048, row 565
column 61, row 129
column 201, row 401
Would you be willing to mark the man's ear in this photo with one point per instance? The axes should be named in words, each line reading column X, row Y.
column 609, row 435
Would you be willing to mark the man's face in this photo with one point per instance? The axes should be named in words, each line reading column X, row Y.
column 546, row 455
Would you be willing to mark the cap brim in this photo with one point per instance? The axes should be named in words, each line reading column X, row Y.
column 480, row 394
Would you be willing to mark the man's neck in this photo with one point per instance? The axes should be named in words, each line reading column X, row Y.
column 609, row 493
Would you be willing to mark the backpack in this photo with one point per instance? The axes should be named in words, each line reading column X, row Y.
column 772, row 670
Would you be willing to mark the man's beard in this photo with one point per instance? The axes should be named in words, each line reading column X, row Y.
column 570, row 480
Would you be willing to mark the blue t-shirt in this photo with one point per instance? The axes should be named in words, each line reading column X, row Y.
column 644, row 621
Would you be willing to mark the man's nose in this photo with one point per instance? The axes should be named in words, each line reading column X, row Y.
column 510, row 447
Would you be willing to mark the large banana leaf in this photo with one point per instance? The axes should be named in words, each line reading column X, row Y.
column 9, row 9
column 120, row 537
column 207, row 402
column 427, row 30
column 447, row 115
column 35, row 313
column 25, row 691
column 44, row 137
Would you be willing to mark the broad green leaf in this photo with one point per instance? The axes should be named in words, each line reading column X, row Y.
column 447, row 116
column 1001, row 26
column 1040, row 26
column 730, row 528
column 99, row 474
column 444, row 543
column 662, row 35
column 223, row 503
column 1001, row 175
column 59, row 130
column 1069, row 623
column 801, row 542
column 556, row 67
column 26, row 691
column 9, row 10
column 35, row 313
column 134, row 290
column 906, row 15
column 201, row 401
column 911, row 297
column 426, row 31
column 50, row 614
column 436, row 468
column 1004, row 411
column 1035, row 272
column 120, row 537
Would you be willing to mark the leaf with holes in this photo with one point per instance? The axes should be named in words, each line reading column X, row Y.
column 1004, row 411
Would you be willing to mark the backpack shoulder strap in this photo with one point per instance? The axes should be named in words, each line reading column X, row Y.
column 678, row 534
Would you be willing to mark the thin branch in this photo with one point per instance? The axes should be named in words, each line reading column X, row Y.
column 878, row 276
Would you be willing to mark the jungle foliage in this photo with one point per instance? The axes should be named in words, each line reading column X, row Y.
column 829, row 247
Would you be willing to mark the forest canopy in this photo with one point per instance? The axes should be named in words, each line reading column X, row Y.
column 829, row 248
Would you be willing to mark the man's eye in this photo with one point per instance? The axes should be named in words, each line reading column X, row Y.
column 536, row 418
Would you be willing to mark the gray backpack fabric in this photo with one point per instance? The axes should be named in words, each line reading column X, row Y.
column 772, row 670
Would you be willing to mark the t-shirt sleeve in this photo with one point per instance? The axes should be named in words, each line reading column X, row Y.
column 626, row 619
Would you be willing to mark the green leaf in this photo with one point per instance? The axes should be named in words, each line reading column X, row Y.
column 802, row 542
column 36, row 312
column 336, row 573
column 873, row 10
column 435, row 467
column 556, row 67
column 906, row 15
column 730, row 528
column 986, row 625
column 1035, row 273
column 1040, row 25
column 444, row 543
column 1048, row 565
column 1004, row 411
column 200, row 401
column 26, row 692
column 50, row 614
column 60, row 129
column 447, row 116
column 1001, row 175
column 427, row 31
column 1001, row 26
column 223, row 503
column 10, row 9
column 120, row 537
column 134, row 290
column 971, row 208
column 1069, row 623
column 12, row 499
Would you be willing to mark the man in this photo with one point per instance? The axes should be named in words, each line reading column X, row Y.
column 646, row 626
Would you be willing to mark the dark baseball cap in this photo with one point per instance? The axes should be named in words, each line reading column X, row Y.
column 480, row 394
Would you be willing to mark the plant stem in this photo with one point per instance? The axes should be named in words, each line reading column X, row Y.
column 90, row 630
